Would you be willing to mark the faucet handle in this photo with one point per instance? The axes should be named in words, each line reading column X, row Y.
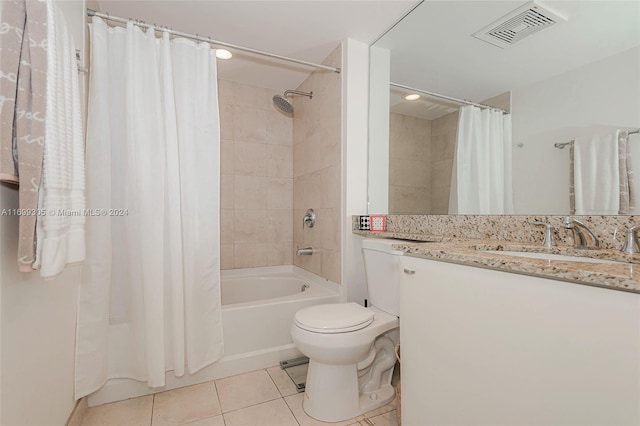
column 631, row 241
column 548, row 233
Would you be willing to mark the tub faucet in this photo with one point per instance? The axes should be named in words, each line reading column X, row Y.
column 306, row 251
column 583, row 238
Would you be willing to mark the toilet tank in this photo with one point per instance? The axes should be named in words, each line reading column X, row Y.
column 381, row 265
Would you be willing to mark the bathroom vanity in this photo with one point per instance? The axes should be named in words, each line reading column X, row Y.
column 486, row 347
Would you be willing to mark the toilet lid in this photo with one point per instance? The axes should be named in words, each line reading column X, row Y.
column 334, row 318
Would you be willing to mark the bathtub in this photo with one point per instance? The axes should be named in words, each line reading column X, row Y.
column 258, row 305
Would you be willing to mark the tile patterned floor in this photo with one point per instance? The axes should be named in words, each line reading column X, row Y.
column 258, row 398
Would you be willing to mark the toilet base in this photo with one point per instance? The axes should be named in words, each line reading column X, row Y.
column 336, row 386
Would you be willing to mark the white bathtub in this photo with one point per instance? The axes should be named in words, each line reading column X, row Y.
column 258, row 306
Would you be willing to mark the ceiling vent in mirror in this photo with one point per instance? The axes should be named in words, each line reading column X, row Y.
column 521, row 23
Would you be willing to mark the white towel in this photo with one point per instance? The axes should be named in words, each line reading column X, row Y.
column 60, row 233
column 597, row 174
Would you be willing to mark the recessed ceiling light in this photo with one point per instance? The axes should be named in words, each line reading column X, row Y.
column 223, row 54
column 412, row 97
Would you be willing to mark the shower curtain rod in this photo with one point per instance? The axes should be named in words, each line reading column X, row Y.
column 561, row 145
column 92, row 12
column 448, row 98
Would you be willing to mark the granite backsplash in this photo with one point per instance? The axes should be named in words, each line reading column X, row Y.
column 610, row 230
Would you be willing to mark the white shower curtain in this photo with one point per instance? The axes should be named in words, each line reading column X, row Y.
column 481, row 181
column 150, row 293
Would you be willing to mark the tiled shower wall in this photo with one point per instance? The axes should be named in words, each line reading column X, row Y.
column 409, row 155
column 443, row 139
column 420, row 162
column 317, row 166
column 407, row 179
column 256, row 185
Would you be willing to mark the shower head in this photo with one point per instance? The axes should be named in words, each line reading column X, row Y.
column 282, row 103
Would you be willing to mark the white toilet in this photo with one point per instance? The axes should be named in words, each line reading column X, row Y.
column 351, row 348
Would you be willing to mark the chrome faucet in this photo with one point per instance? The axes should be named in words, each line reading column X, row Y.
column 548, row 234
column 309, row 219
column 631, row 242
column 306, row 251
column 583, row 238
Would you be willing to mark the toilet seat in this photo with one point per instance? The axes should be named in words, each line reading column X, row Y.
column 334, row 318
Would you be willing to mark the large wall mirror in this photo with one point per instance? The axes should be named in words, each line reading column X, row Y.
column 556, row 83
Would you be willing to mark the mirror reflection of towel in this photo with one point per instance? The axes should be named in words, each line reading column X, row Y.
column 596, row 174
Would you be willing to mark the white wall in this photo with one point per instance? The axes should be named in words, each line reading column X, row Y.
column 379, row 78
column 355, row 97
column 38, row 318
column 602, row 94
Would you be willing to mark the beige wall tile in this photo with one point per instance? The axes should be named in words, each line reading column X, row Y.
column 279, row 128
column 440, row 201
column 311, row 263
column 410, row 152
column 280, row 254
column 279, row 226
column 415, row 174
column 250, row 158
column 280, row 161
column 226, row 191
column 250, row 193
column 309, row 191
column 317, row 157
column 249, row 255
column 329, row 222
column 251, row 96
column 225, row 92
column 226, row 121
column 330, row 187
column 298, row 236
column 226, row 226
column 409, row 137
column 226, row 157
column 279, row 193
column 249, row 124
column 331, row 265
column 249, row 226
column 441, row 174
column 409, row 200
column 226, row 256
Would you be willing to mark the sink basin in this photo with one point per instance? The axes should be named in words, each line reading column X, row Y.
column 551, row 256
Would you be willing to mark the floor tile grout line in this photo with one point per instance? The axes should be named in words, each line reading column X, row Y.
column 274, row 382
column 253, row 405
column 291, row 411
column 215, row 387
column 276, row 385
column 153, row 406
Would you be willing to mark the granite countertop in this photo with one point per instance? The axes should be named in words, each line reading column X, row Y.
column 473, row 252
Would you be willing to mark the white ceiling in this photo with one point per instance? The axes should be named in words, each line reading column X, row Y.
column 424, row 107
column 433, row 48
column 307, row 30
